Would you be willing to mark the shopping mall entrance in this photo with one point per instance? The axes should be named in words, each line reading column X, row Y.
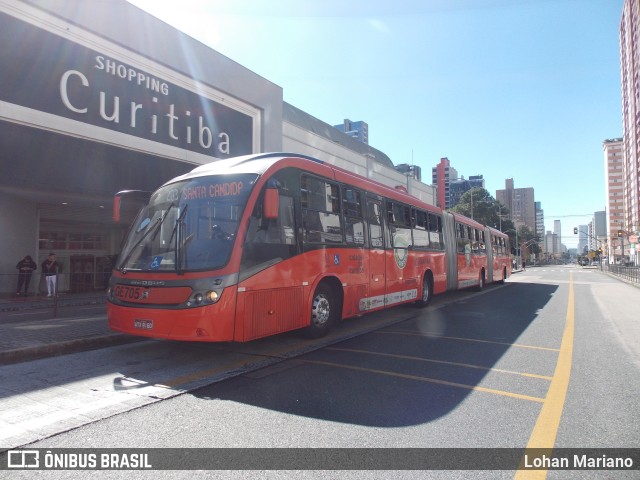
column 58, row 191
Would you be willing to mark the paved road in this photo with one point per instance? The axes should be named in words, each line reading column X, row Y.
column 550, row 359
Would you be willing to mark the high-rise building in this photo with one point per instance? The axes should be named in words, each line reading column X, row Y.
column 583, row 239
column 442, row 175
column 551, row 249
column 459, row 187
column 598, row 231
column 358, row 130
column 539, row 220
column 614, row 183
column 557, row 232
column 630, row 73
column 521, row 204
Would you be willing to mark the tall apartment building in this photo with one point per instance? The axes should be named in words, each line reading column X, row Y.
column 442, row 175
column 583, row 239
column 614, row 183
column 539, row 220
column 557, row 232
column 598, row 230
column 521, row 204
column 551, row 249
column 630, row 73
column 358, row 130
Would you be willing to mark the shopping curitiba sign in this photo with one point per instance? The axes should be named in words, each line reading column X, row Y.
column 52, row 74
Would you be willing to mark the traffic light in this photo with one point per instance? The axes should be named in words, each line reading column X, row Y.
column 575, row 230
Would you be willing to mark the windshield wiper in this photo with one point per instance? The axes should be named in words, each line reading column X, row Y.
column 153, row 229
column 179, row 244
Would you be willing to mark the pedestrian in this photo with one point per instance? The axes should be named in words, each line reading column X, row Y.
column 50, row 270
column 524, row 265
column 25, row 267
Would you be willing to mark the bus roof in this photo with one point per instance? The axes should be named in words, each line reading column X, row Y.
column 259, row 163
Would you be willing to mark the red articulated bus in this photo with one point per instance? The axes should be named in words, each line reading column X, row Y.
column 252, row 246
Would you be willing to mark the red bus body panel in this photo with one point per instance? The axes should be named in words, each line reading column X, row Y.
column 204, row 324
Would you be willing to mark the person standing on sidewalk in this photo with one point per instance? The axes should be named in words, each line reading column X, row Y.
column 25, row 267
column 50, row 271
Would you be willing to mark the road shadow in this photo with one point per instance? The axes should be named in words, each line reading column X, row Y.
column 389, row 378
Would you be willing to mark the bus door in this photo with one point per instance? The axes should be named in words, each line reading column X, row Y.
column 377, row 261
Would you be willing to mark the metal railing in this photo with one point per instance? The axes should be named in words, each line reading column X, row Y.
column 631, row 274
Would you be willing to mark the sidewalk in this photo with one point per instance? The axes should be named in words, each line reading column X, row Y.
column 22, row 340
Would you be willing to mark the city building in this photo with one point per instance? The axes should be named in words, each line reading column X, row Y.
column 557, row 232
column 551, row 249
column 614, row 185
column 539, row 220
column 442, row 175
column 413, row 171
column 598, row 231
column 583, row 239
column 459, row 187
column 521, row 204
column 630, row 73
column 358, row 130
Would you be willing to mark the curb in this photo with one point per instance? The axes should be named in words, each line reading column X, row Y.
column 38, row 352
column 43, row 303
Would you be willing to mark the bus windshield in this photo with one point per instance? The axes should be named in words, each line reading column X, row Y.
column 188, row 225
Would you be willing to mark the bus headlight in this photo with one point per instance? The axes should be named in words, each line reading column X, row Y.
column 212, row 296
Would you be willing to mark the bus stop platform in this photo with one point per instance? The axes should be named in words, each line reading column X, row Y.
column 32, row 327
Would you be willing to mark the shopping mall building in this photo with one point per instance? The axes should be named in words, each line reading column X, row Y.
column 98, row 97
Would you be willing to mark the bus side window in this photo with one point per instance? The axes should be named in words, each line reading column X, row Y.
column 269, row 239
column 421, row 230
column 460, row 240
column 435, row 231
column 354, row 227
column 375, row 224
column 400, row 227
column 321, row 213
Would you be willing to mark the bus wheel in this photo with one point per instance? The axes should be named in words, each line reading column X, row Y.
column 323, row 312
column 504, row 275
column 427, row 292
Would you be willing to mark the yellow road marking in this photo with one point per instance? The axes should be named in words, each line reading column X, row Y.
column 435, row 335
column 429, row 380
column 443, row 362
column 199, row 375
column 546, row 428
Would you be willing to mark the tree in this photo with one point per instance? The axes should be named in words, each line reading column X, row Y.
column 529, row 240
column 479, row 205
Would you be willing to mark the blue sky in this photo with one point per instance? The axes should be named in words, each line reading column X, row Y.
column 522, row 89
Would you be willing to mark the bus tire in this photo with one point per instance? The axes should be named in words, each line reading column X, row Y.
column 426, row 292
column 504, row 276
column 324, row 309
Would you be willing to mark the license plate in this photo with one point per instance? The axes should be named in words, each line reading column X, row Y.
column 143, row 324
column 126, row 292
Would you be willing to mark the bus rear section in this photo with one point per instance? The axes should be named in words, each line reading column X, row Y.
column 499, row 255
column 466, row 244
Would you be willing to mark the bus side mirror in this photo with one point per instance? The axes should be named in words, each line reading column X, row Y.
column 128, row 198
column 271, row 206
